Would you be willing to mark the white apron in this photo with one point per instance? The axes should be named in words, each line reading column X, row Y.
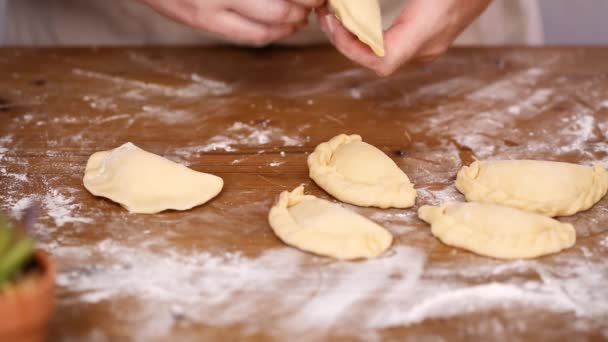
column 129, row 22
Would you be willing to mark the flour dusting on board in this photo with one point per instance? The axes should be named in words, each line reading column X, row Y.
column 305, row 296
column 58, row 205
column 4, row 141
column 197, row 88
column 509, row 88
column 241, row 134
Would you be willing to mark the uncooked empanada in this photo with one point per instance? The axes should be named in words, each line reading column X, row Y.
column 497, row 231
column 364, row 19
column 548, row 188
column 321, row 227
column 145, row 183
column 358, row 173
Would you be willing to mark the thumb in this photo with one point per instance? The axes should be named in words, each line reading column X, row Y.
column 407, row 35
column 347, row 43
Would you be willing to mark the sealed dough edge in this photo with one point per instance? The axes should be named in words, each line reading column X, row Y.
column 544, row 235
column 397, row 195
column 476, row 192
column 319, row 234
column 363, row 18
column 145, row 183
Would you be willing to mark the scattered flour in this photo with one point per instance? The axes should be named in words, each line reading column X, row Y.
column 101, row 103
column 580, row 130
column 61, row 208
column 198, row 88
column 22, row 177
column 243, row 134
column 166, row 115
column 4, row 141
column 306, row 296
column 236, row 161
column 531, row 105
column 510, row 88
column 449, row 87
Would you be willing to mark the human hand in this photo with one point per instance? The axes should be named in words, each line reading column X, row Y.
column 424, row 30
column 255, row 22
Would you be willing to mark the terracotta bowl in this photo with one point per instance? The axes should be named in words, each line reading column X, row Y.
column 26, row 308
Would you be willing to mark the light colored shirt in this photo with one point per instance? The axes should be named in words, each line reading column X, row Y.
column 130, row 22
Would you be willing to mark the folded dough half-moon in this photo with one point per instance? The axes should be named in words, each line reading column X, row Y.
column 497, row 231
column 364, row 19
column 321, row 227
column 358, row 173
column 146, row 183
column 544, row 187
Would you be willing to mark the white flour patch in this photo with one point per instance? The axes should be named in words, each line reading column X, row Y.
column 116, row 117
column 195, row 89
column 166, row 115
column 243, row 134
column 399, row 223
column 276, row 163
column 22, row 177
column 135, row 94
column 604, row 104
column 61, row 208
column 580, row 130
column 24, row 119
column 100, row 103
column 532, row 104
column 449, row 87
column 303, row 296
column 4, row 141
column 291, row 141
column 481, row 146
column 441, row 196
column 511, row 88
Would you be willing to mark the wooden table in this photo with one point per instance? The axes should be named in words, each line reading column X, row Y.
column 251, row 117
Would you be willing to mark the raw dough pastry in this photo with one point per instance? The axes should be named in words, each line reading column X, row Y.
column 548, row 188
column 321, row 227
column 145, row 183
column 358, row 173
column 364, row 19
column 496, row 231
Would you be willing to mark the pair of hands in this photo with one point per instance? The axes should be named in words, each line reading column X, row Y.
column 423, row 31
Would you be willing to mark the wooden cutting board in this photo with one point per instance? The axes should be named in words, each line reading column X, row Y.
column 251, row 117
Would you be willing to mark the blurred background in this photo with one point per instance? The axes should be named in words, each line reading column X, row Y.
column 564, row 21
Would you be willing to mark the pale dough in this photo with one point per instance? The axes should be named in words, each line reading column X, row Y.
column 145, row 183
column 364, row 19
column 358, row 173
column 321, row 227
column 496, row 231
column 548, row 188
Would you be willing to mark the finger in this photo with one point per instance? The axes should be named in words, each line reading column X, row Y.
column 404, row 39
column 235, row 27
column 346, row 42
column 270, row 11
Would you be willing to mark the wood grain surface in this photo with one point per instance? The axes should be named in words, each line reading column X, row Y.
column 251, row 116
